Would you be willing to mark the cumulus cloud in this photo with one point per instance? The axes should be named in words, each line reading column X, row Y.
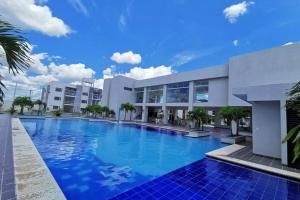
column 235, row 43
column 30, row 15
column 138, row 73
column 127, row 57
column 70, row 72
column 233, row 12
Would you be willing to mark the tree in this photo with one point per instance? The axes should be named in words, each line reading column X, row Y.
column 16, row 51
column 111, row 113
column 125, row 107
column 199, row 115
column 57, row 113
column 105, row 110
column 230, row 114
column 40, row 104
column 131, row 109
column 293, row 135
column 22, row 102
column 94, row 109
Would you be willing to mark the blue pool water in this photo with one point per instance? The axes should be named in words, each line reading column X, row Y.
column 99, row 160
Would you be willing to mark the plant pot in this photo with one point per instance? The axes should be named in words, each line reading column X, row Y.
column 233, row 140
column 234, row 128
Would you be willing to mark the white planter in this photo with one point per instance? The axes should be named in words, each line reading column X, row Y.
column 192, row 124
column 234, row 128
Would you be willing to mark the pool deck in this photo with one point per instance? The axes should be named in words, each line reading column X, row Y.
column 7, row 176
column 242, row 155
column 32, row 177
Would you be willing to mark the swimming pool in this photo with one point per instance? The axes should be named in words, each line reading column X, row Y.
column 99, row 160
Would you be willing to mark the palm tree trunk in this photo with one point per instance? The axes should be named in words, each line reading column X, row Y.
column 125, row 116
column 22, row 110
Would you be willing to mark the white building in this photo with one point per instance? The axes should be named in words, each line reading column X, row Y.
column 257, row 81
column 70, row 98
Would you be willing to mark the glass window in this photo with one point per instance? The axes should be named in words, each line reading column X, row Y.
column 155, row 94
column 127, row 88
column 85, row 94
column 55, row 107
column 57, row 98
column 201, row 91
column 139, row 95
column 178, row 92
column 58, row 89
column 83, row 101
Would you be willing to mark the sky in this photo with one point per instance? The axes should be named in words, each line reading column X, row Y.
column 75, row 39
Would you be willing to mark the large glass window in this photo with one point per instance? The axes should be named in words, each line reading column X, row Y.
column 178, row 92
column 155, row 94
column 201, row 91
column 139, row 95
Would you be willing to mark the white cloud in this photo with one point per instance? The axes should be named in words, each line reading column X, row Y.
column 150, row 72
column 235, row 43
column 79, row 6
column 289, row 43
column 183, row 58
column 30, row 15
column 122, row 22
column 233, row 12
column 138, row 73
column 37, row 66
column 127, row 57
column 71, row 72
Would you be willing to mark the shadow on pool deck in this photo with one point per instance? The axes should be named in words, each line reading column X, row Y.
column 7, row 180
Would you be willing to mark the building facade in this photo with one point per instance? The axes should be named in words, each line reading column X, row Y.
column 258, row 81
column 70, row 98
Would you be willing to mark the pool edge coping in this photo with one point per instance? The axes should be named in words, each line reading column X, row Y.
column 222, row 154
column 35, row 181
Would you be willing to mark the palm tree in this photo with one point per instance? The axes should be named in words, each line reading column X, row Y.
column 111, row 113
column 22, row 102
column 125, row 107
column 105, row 110
column 40, row 103
column 294, row 134
column 131, row 109
column 199, row 115
column 230, row 114
column 16, row 51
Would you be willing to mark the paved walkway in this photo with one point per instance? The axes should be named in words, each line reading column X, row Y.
column 7, row 181
column 246, row 154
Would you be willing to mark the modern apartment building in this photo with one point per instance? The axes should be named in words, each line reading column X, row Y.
column 257, row 81
column 70, row 98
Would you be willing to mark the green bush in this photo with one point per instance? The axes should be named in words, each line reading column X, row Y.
column 57, row 112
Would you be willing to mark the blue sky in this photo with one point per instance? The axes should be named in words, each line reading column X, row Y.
column 178, row 35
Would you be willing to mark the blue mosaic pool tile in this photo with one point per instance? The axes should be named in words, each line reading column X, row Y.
column 215, row 180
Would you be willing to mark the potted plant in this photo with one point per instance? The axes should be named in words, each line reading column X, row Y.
column 232, row 117
column 57, row 112
column 197, row 117
column 159, row 117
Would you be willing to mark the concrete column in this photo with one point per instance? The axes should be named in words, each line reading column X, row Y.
column 145, row 96
column 283, row 127
column 165, row 111
column 191, row 95
column 164, row 94
column 145, row 114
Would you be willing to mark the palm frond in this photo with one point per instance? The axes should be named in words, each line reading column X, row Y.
column 16, row 49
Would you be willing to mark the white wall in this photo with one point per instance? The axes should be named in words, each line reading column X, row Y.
column 266, row 128
column 272, row 66
column 114, row 94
